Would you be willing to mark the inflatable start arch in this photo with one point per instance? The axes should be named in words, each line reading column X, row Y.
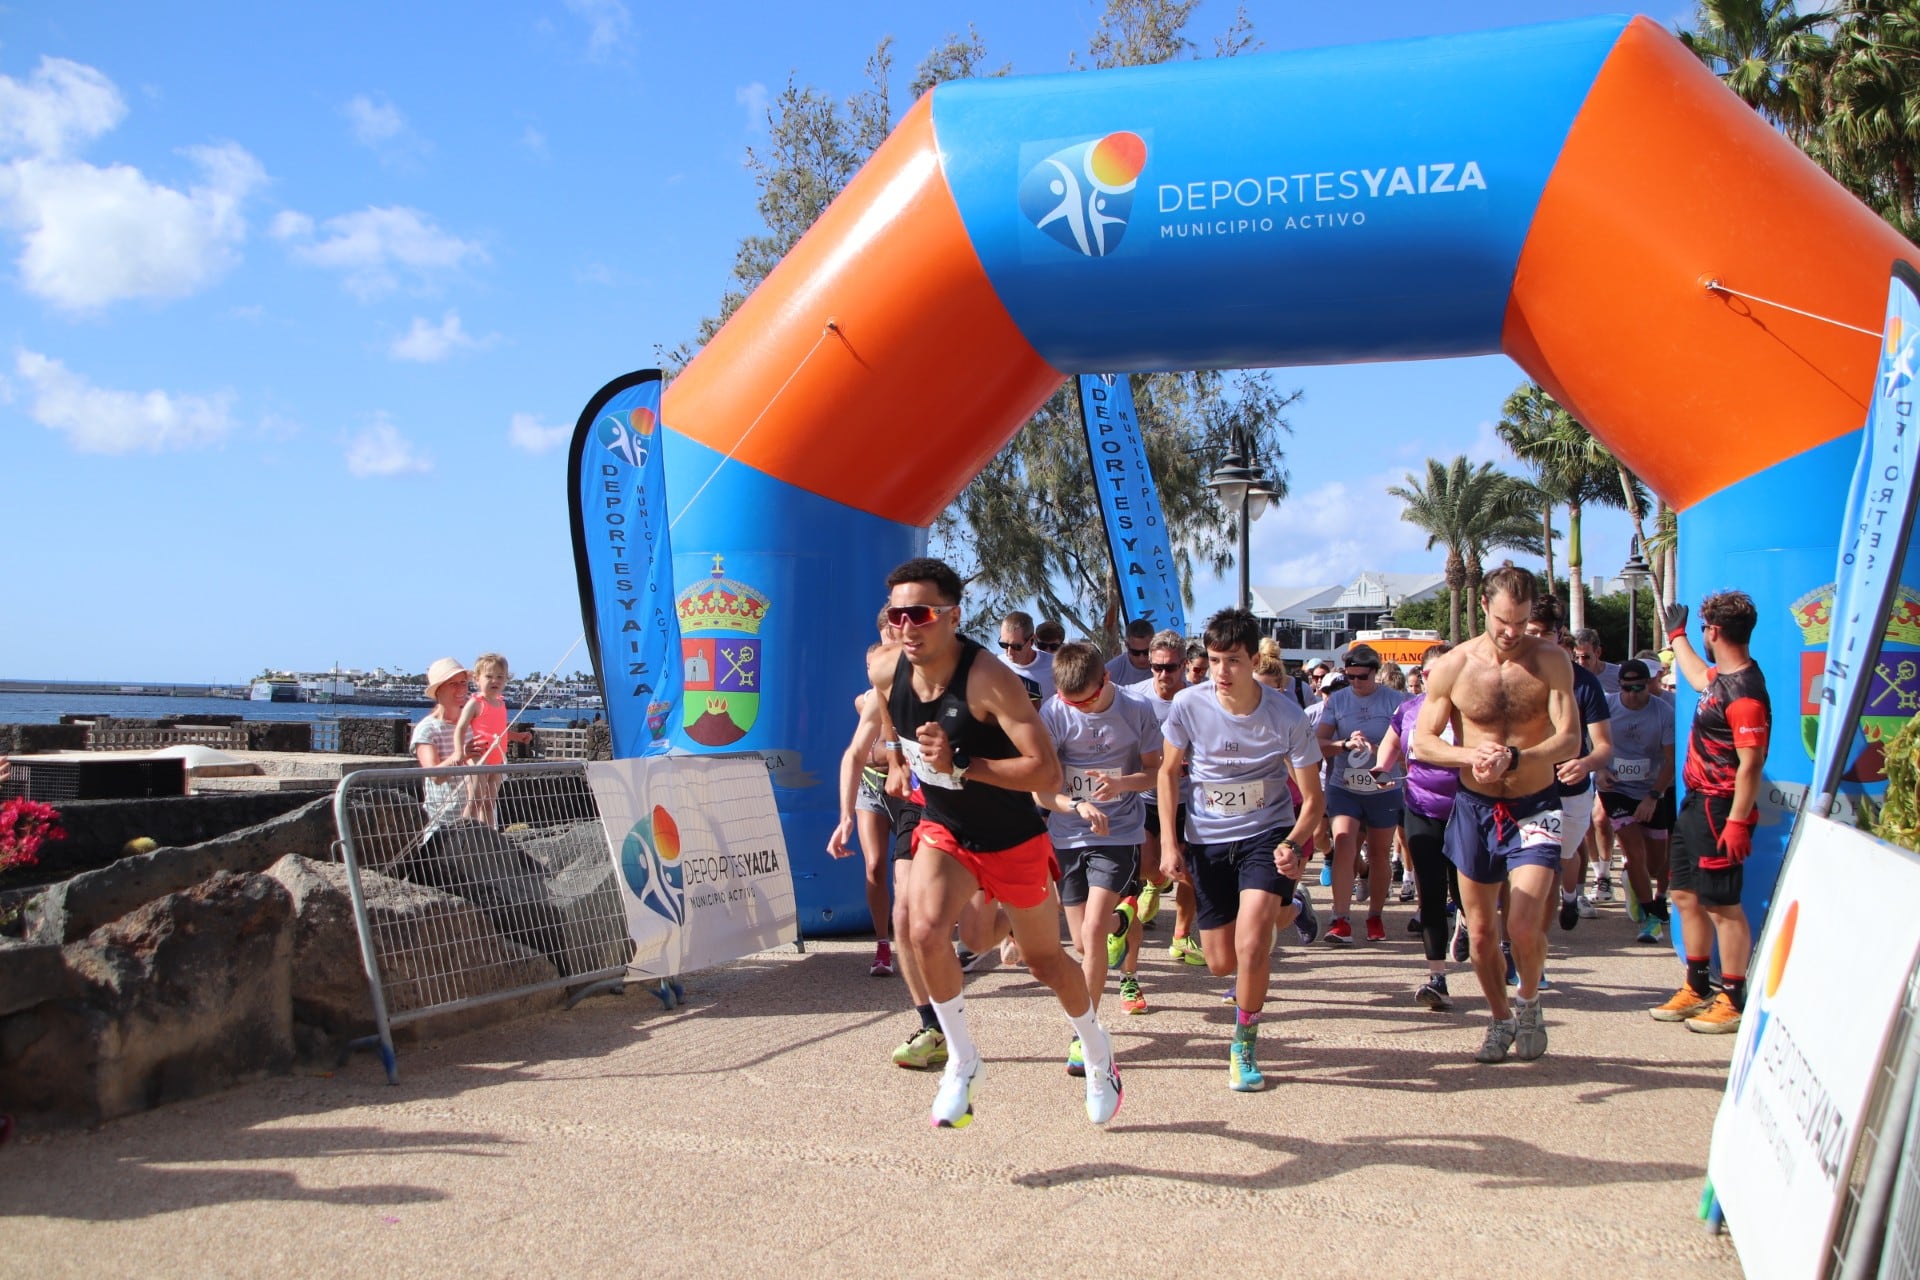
column 1564, row 194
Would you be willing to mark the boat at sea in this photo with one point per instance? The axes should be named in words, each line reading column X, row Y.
column 275, row 691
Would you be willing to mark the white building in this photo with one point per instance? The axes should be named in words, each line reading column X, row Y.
column 1312, row 622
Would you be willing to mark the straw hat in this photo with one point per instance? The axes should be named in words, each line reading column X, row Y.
column 443, row 670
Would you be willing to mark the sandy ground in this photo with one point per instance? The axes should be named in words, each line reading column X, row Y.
column 763, row 1130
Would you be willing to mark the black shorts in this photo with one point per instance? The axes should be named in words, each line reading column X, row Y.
column 1693, row 837
column 1222, row 872
column 906, row 822
column 1620, row 809
column 1108, row 866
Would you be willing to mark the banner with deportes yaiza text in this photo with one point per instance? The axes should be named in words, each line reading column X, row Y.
column 1130, row 503
column 1873, row 544
column 617, row 500
column 1805, row 1065
column 701, row 859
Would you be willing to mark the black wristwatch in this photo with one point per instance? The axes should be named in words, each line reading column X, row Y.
column 960, row 762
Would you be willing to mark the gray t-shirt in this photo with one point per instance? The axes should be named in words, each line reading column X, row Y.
column 1037, row 675
column 1638, row 740
column 1608, row 675
column 1372, row 715
column 1111, row 740
column 1238, row 766
column 1146, row 695
column 1120, row 670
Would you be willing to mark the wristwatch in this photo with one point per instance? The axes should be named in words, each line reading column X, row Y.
column 961, row 761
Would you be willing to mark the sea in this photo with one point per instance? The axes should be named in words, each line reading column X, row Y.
column 47, row 708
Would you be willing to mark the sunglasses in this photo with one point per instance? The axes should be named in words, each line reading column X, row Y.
column 1166, row 668
column 1098, row 689
column 1048, row 646
column 1138, row 653
column 1013, row 644
column 1632, row 688
column 916, row 615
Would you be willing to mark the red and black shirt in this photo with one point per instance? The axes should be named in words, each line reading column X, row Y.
column 1734, row 712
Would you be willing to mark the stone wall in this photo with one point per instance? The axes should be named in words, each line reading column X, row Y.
column 98, row 830
column 32, row 739
column 385, row 736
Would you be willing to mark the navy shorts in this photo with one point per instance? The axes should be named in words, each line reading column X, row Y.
column 1486, row 838
column 1222, row 872
column 1376, row 810
column 1110, row 866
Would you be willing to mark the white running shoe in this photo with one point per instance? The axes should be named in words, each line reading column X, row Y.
column 1584, row 906
column 1103, row 1087
column 953, row 1104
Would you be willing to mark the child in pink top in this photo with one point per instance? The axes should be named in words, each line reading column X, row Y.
column 482, row 733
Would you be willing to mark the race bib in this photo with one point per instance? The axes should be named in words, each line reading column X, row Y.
column 1231, row 799
column 1541, row 828
column 1633, row 770
column 917, row 761
column 1079, row 784
column 1362, row 780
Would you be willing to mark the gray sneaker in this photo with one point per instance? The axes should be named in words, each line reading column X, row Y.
column 1530, row 1030
column 1306, row 924
column 1499, row 1040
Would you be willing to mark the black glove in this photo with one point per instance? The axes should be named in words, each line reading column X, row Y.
column 1674, row 619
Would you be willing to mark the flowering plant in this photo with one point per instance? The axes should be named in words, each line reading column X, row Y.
column 25, row 825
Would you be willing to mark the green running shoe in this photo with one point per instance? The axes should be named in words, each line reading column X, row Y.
column 1150, row 895
column 1242, row 1075
column 1117, row 942
column 924, row 1050
column 1076, row 1058
column 1187, row 950
column 1131, row 997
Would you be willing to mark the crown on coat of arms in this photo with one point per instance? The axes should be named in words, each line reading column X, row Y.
column 1813, row 614
column 721, row 604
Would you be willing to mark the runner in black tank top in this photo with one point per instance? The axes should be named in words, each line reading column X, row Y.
column 983, row 818
column 970, row 734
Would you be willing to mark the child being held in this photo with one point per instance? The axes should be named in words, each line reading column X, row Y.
column 482, row 733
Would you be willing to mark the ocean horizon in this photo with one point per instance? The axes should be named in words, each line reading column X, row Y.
column 47, row 708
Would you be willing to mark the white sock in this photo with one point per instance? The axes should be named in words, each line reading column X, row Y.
column 1567, row 895
column 953, row 1022
column 1095, row 1046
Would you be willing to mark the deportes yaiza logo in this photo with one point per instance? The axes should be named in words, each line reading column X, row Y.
column 1758, row 1011
column 1082, row 195
column 1896, row 363
column 625, row 435
column 650, row 859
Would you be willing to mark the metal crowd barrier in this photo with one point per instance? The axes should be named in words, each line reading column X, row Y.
column 509, row 894
column 1878, row 1230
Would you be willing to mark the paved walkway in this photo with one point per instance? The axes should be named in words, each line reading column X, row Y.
column 763, row 1130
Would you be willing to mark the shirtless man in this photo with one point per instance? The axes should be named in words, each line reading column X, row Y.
column 967, row 729
column 1509, row 699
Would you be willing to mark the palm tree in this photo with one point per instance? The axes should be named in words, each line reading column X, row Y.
column 1872, row 107
column 1575, row 468
column 1469, row 510
column 1768, row 54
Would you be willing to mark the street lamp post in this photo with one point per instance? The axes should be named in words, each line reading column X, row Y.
column 1242, row 485
column 1634, row 572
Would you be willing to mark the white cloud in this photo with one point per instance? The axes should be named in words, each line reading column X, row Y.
column 61, row 103
column 91, row 235
column 534, row 140
column 98, row 420
column 380, row 450
column 527, row 433
column 371, row 246
column 608, row 24
column 1333, row 532
column 754, row 98
column 373, row 122
column 427, row 342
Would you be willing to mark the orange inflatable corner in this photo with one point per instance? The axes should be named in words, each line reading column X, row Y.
column 896, row 406
column 1667, row 181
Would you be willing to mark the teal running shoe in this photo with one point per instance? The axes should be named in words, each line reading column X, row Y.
column 1243, row 1076
column 1076, row 1058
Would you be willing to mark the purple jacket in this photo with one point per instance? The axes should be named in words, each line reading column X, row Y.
column 1430, row 789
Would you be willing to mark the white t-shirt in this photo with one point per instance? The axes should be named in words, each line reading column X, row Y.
column 1037, row 675
column 1145, row 695
column 1111, row 740
column 444, row 797
column 1120, row 670
column 1237, row 766
column 1372, row 715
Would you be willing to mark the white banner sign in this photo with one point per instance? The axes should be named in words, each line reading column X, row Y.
column 1818, row 1013
column 702, row 861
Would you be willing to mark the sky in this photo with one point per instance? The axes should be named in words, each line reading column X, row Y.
column 298, row 305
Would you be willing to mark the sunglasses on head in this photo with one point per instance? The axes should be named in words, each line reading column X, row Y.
column 916, row 615
column 1098, row 689
column 1166, row 668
